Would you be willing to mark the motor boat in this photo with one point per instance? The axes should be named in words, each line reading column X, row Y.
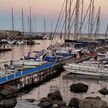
column 91, row 70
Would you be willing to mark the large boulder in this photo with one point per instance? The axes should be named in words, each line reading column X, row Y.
column 45, row 99
column 8, row 103
column 92, row 103
column 56, row 95
column 79, row 88
column 45, row 104
column 104, row 91
column 8, row 92
column 74, row 102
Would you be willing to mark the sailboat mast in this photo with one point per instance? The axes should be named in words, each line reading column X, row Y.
column 12, row 20
column 44, row 25
column 66, row 17
column 98, row 22
column 91, row 18
column 34, row 23
column 51, row 26
column 30, row 22
column 92, row 13
column 22, row 22
column 106, row 32
column 76, row 19
column 69, row 19
column 82, row 10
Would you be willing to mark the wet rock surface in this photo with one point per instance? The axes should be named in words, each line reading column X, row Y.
column 79, row 88
column 8, row 92
column 45, row 99
column 88, row 102
column 45, row 104
column 55, row 96
column 92, row 103
column 53, row 100
column 8, row 96
column 74, row 102
column 8, row 103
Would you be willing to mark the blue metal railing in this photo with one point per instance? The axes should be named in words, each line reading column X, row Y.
column 27, row 72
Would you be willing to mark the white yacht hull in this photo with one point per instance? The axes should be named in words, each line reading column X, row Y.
column 85, row 70
column 28, row 63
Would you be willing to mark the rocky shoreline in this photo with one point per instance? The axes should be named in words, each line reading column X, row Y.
column 9, row 94
column 55, row 100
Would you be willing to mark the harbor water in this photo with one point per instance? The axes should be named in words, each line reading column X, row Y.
column 58, row 83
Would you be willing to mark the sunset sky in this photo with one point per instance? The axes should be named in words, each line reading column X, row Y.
column 48, row 9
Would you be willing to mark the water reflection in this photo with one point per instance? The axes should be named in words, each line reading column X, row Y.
column 20, row 51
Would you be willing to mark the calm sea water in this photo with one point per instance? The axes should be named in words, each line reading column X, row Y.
column 56, row 84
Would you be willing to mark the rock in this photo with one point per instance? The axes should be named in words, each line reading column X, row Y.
column 92, row 103
column 59, row 103
column 45, row 104
column 45, row 99
column 74, row 102
column 79, row 88
column 8, row 92
column 103, row 91
column 30, row 100
column 93, row 98
column 8, row 103
column 55, row 96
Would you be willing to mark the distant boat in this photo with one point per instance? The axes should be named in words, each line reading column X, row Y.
column 13, row 42
column 21, row 42
column 28, row 63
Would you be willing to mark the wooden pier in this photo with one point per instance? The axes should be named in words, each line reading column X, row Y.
column 36, row 75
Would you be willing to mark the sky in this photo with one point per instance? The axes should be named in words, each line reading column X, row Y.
column 41, row 9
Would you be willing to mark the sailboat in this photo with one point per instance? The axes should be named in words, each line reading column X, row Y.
column 29, row 61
